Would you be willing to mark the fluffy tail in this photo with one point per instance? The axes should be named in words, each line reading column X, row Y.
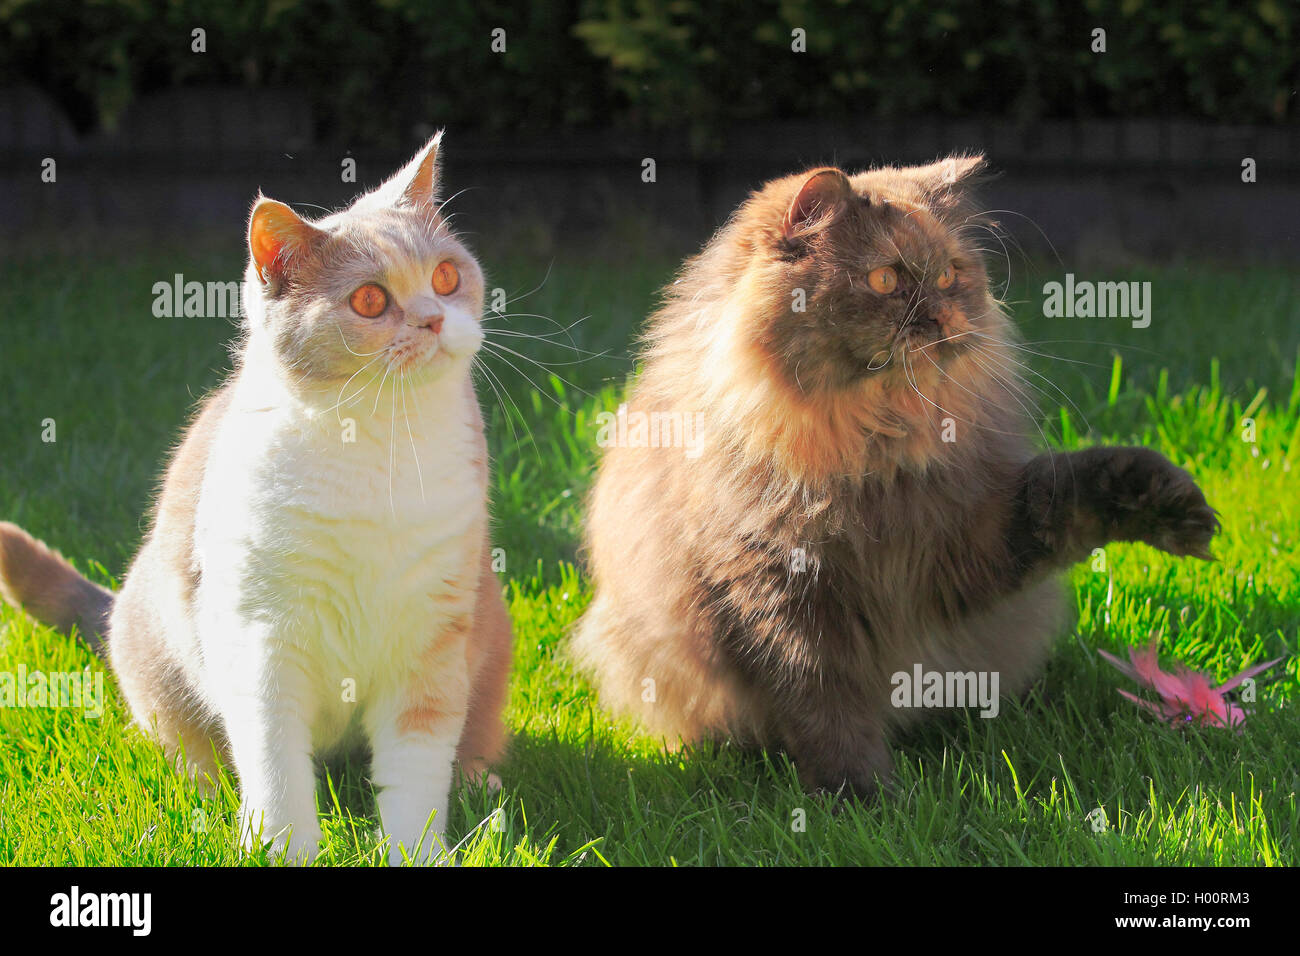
column 39, row 580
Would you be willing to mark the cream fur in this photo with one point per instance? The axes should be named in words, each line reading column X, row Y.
column 334, row 563
column 317, row 563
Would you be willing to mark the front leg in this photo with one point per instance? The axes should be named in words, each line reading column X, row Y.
column 413, row 738
column 836, row 743
column 1069, row 504
column 267, row 710
column 804, row 678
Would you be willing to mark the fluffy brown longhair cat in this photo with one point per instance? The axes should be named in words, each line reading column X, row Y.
column 866, row 498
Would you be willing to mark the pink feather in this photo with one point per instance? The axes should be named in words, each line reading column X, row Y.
column 1186, row 696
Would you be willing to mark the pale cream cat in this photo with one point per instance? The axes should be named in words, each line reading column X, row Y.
column 319, row 559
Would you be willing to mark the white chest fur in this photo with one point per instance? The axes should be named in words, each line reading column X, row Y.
column 330, row 542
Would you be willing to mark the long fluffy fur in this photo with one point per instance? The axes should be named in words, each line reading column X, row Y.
column 701, row 625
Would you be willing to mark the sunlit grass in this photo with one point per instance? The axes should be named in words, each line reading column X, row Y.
column 79, row 345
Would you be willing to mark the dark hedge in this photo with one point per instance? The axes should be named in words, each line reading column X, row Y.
column 375, row 69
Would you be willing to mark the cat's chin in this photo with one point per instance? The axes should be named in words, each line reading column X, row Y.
column 423, row 368
column 930, row 350
column 426, row 356
column 434, row 365
column 880, row 364
column 418, row 360
column 921, row 348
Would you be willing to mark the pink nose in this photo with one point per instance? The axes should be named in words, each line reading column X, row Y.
column 431, row 322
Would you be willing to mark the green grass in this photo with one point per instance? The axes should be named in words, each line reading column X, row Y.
column 78, row 344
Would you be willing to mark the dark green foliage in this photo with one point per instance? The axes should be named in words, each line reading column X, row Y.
column 376, row 70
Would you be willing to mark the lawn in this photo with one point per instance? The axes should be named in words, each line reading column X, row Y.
column 79, row 345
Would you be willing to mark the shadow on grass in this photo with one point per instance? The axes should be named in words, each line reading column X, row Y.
column 967, row 791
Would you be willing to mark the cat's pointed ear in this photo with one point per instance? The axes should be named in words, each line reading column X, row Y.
column 277, row 238
column 823, row 195
column 416, row 183
column 945, row 182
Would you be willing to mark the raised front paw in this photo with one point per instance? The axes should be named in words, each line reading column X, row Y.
column 1148, row 498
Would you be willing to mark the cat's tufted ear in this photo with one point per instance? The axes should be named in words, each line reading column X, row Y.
column 944, row 182
column 823, row 195
column 277, row 238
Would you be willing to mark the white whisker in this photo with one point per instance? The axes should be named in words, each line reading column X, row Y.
column 406, row 417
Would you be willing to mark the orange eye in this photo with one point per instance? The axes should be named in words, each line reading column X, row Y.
column 446, row 278
column 947, row 277
column 369, row 300
column 884, row 280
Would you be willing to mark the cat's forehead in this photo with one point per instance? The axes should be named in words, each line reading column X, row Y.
column 888, row 227
column 394, row 236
